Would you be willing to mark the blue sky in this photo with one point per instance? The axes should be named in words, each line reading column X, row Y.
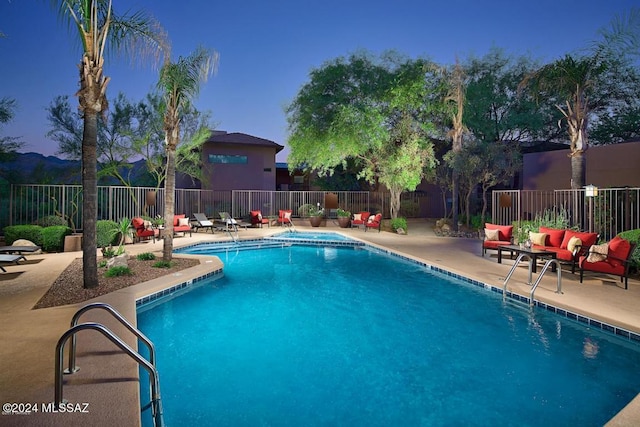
column 268, row 48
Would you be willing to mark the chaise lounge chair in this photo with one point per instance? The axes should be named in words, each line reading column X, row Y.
column 230, row 223
column 18, row 249
column 10, row 259
column 202, row 222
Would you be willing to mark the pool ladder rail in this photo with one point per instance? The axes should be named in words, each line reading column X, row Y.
column 537, row 282
column 148, row 365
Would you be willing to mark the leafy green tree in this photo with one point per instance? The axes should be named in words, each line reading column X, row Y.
column 99, row 29
column 179, row 84
column 8, row 144
column 372, row 111
column 584, row 85
column 495, row 110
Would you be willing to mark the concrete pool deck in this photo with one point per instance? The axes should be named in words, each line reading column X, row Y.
column 108, row 380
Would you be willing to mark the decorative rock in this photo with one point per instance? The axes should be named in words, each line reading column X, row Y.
column 118, row 261
column 25, row 242
column 446, row 227
column 401, row 231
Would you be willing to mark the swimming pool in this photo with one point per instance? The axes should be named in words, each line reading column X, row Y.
column 303, row 335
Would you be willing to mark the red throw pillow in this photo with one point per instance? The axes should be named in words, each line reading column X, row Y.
column 618, row 248
column 587, row 239
column 365, row 216
column 504, row 231
column 554, row 236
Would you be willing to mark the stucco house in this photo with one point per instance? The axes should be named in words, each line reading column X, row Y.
column 237, row 161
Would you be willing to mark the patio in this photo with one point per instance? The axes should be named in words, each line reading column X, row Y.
column 108, row 380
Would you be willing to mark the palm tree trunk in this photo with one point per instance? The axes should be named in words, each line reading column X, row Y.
column 89, row 200
column 170, row 195
column 577, row 170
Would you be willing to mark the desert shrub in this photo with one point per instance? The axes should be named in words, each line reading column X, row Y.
column 409, row 208
column 105, row 234
column 146, row 256
column 33, row 233
column 53, row 237
column 399, row 222
column 633, row 236
column 51, row 220
column 118, row 271
column 305, row 211
column 163, row 264
column 102, row 264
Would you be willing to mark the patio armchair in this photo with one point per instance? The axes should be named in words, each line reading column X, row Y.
column 496, row 236
column 612, row 258
column 181, row 224
column 374, row 222
column 360, row 219
column 257, row 219
column 284, row 217
column 143, row 229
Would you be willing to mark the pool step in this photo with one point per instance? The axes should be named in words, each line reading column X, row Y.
column 239, row 246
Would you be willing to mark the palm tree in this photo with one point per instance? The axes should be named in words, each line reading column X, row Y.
column 100, row 30
column 179, row 83
column 583, row 85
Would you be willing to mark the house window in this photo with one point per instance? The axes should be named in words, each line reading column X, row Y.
column 227, row 159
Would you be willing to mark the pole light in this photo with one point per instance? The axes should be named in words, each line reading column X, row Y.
column 591, row 191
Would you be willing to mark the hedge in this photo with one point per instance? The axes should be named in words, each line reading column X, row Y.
column 32, row 233
column 53, row 238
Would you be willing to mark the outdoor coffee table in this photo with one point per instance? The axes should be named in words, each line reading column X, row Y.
column 532, row 254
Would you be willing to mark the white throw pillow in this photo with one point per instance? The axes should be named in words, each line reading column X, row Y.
column 598, row 253
column 183, row 221
column 357, row 217
column 491, row 235
column 287, row 215
column 538, row 238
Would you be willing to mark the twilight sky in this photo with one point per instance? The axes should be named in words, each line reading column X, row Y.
column 267, row 48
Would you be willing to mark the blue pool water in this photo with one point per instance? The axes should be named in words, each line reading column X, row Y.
column 313, row 336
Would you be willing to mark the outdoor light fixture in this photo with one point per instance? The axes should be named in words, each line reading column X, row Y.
column 591, row 191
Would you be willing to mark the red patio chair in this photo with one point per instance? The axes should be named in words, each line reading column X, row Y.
column 616, row 262
column 374, row 222
column 257, row 219
column 284, row 217
column 144, row 229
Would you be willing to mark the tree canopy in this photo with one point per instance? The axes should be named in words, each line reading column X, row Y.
column 371, row 110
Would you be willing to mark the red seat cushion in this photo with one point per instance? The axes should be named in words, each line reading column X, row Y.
column 601, row 267
column 505, row 232
column 554, row 236
column 588, row 239
column 493, row 244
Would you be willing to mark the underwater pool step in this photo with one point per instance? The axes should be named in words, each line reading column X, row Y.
column 227, row 247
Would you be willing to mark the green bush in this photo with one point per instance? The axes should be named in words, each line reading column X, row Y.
column 633, row 236
column 118, row 271
column 163, row 264
column 106, row 233
column 409, row 208
column 33, row 233
column 399, row 222
column 146, row 256
column 53, row 237
column 51, row 220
